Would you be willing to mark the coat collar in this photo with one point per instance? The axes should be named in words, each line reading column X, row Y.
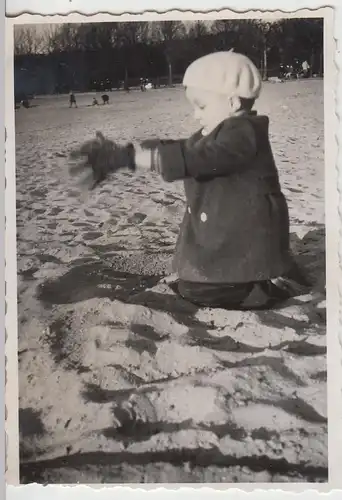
column 238, row 114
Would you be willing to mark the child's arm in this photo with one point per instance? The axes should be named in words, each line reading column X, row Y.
column 228, row 150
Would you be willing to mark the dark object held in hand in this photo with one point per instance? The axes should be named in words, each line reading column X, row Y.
column 104, row 157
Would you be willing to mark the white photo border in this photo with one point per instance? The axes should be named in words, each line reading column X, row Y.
column 333, row 156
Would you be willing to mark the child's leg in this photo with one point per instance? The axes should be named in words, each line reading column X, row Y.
column 239, row 296
column 214, row 295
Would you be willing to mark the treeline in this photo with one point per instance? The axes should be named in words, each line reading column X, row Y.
column 86, row 56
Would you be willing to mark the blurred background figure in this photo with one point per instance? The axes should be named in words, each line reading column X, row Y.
column 305, row 69
column 72, row 99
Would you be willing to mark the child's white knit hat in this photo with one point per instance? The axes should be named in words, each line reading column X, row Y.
column 226, row 73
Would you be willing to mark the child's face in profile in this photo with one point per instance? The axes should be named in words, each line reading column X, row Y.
column 210, row 108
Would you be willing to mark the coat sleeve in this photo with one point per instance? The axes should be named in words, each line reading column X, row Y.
column 228, row 149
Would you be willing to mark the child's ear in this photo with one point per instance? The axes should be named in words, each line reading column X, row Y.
column 235, row 104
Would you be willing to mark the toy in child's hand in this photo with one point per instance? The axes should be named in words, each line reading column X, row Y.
column 104, row 157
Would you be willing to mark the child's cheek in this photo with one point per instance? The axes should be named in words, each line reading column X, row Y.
column 197, row 114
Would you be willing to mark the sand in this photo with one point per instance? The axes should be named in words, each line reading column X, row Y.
column 120, row 380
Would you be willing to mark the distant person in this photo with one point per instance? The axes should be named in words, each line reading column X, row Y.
column 156, row 83
column 21, row 100
column 72, row 100
column 105, row 99
column 142, row 84
column 233, row 247
column 297, row 66
column 305, row 69
column 95, row 102
column 25, row 103
column 289, row 72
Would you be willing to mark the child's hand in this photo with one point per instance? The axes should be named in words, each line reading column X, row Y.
column 151, row 146
column 143, row 157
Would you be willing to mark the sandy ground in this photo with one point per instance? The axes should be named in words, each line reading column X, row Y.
column 121, row 381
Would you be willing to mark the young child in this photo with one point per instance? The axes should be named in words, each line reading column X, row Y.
column 233, row 245
column 234, row 239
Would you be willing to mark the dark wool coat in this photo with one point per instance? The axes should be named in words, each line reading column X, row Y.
column 236, row 225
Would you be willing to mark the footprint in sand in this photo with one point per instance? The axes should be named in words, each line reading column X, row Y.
column 55, row 211
column 92, row 236
column 137, row 218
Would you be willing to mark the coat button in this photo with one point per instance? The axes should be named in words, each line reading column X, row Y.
column 189, row 210
column 203, row 217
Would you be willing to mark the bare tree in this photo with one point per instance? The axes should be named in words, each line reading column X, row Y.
column 168, row 33
column 27, row 40
column 307, row 36
column 49, row 34
column 198, row 29
column 266, row 32
column 134, row 31
column 65, row 37
column 226, row 32
column 223, row 26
